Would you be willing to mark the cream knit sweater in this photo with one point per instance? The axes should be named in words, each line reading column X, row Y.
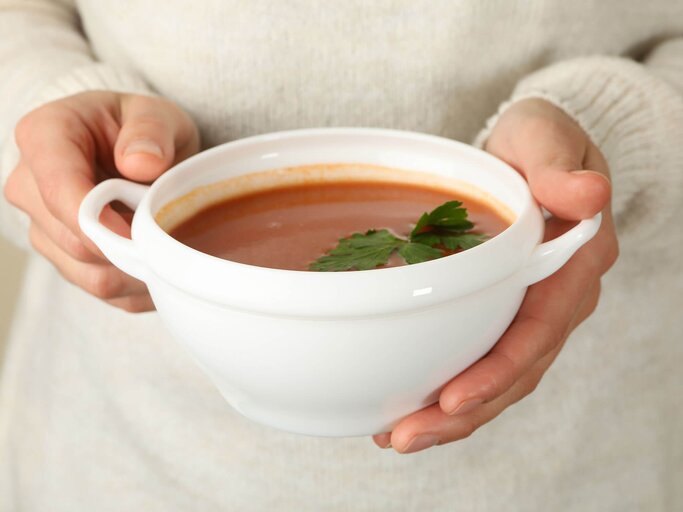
column 101, row 411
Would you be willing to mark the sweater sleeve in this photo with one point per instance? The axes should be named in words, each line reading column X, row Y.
column 633, row 111
column 44, row 56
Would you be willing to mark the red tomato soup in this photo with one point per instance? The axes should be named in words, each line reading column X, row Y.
column 290, row 227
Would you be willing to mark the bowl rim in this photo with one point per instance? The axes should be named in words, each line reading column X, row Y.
column 146, row 233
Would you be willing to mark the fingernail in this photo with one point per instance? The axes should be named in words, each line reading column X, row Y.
column 466, row 406
column 422, row 442
column 143, row 146
column 583, row 172
column 387, row 436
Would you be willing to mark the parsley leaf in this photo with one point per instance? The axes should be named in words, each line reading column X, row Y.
column 449, row 215
column 417, row 253
column 450, row 240
column 445, row 228
column 360, row 252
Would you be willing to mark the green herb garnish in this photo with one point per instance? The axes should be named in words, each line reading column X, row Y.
column 444, row 229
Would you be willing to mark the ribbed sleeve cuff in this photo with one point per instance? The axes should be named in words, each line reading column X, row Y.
column 636, row 119
column 14, row 223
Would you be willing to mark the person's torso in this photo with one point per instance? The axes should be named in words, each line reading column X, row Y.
column 437, row 66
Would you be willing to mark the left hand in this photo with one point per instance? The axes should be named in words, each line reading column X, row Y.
column 568, row 175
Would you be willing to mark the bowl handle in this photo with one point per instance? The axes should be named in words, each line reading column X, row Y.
column 548, row 257
column 119, row 250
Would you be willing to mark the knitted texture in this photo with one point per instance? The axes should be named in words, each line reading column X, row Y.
column 101, row 410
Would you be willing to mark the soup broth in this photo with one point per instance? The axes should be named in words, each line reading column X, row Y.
column 290, row 227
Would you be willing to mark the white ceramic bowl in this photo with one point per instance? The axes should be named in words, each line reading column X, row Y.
column 340, row 353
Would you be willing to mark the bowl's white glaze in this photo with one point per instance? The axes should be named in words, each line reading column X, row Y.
column 334, row 354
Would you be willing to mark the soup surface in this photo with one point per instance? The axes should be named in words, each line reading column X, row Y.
column 290, row 227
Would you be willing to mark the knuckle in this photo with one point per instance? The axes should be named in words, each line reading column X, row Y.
column 589, row 308
column 550, row 335
column 492, row 383
column 612, row 253
column 27, row 126
column 50, row 192
column 11, row 188
column 592, row 261
column 33, row 238
column 78, row 251
column 74, row 247
column 24, row 128
column 496, row 382
column 531, row 384
column 593, row 299
column 466, row 429
column 104, row 283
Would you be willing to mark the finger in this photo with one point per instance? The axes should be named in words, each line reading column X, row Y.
column 382, row 440
column 134, row 303
column 595, row 160
column 549, row 148
column 101, row 280
column 154, row 134
column 432, row 420
column 527, row 383
column 431, row 426
column 59, row 153
column 588, row 306
column 25, row 195
column 576, row 195
column 540, row 325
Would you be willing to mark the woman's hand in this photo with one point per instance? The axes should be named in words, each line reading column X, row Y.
column 568, row 176
column 70, row 145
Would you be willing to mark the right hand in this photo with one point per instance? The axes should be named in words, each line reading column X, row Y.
column 70, row 145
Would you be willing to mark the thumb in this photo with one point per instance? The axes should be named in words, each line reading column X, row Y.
column 561, row 183
column 566, row 173
column 151, row 132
